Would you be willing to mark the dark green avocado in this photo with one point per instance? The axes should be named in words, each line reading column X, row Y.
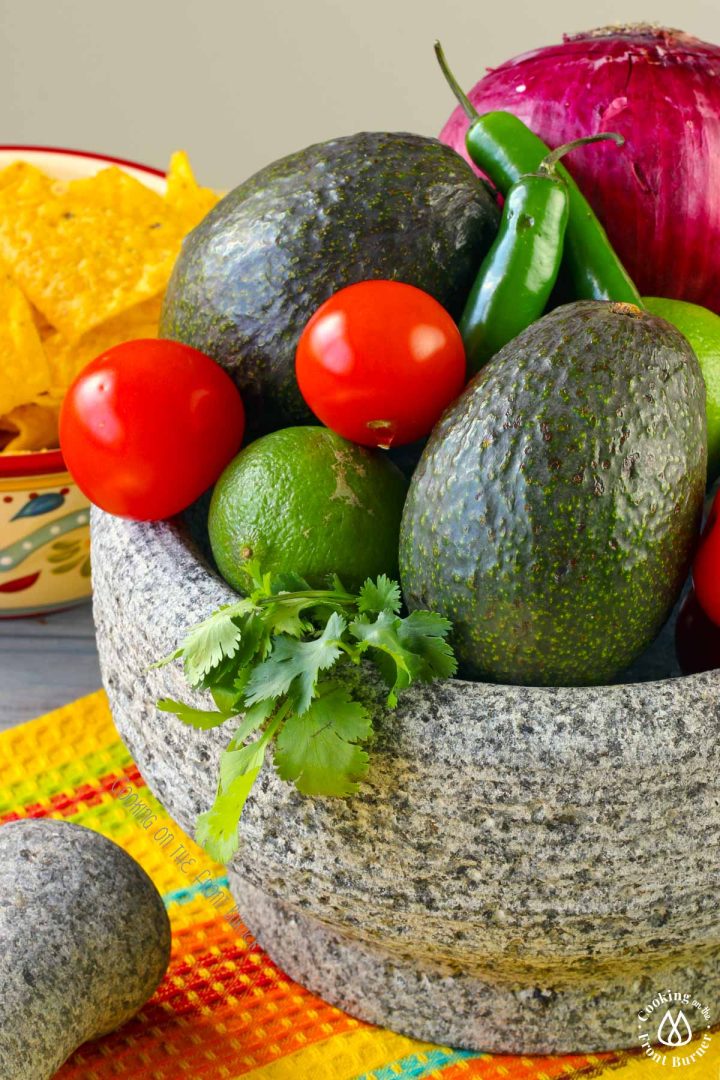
column 553, row 514
column 367, row 206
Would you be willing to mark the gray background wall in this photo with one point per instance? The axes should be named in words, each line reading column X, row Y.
column 239, row 83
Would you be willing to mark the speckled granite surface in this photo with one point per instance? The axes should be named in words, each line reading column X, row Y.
column 84, row 941
column 521, row 868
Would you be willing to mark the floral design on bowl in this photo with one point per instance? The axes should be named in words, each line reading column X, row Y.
column 44, row 536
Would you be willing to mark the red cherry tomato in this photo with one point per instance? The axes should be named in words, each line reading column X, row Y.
column 379, row 361
column 149, row 425
column 706, row 568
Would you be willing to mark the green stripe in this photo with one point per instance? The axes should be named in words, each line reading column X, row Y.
column 414, row 1069
column 72, row 774
column 186, row 895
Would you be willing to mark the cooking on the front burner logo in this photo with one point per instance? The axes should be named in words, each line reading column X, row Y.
column 668, row 1025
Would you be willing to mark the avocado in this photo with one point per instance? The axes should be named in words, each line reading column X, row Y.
column 371, row 205
column 553, row 514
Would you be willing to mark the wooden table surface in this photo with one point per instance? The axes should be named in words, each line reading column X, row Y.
column 45, row 663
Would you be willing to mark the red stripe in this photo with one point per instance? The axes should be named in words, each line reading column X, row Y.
column 144, row 1039
column 86, row 154
column 84, row 795
column 241, row 956
column 32, row 462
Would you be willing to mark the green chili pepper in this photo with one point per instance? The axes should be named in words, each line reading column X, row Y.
column 506, row 149
column 517, row 276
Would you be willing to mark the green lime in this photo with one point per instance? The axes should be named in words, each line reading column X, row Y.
column 304, row 501
column 702, row 329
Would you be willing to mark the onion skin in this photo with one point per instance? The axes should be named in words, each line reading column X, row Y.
column 659, row 195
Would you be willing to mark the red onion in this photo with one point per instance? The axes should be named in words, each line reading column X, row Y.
column 658, row 196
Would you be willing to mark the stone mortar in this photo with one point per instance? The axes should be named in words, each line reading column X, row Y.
column 84, row 942
column 524, row 868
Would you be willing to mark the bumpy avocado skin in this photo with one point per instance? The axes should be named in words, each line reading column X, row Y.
column 553, row 514
column 372, row 205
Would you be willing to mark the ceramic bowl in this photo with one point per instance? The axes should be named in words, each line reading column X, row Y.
column 44, row 517
column 44, row 536
column 523, row 870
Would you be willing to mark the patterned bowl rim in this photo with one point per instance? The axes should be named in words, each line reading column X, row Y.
column 32, row 463
column 43, row 462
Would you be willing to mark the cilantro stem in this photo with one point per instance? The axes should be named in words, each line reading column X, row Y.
column 280, row 715
column 268, row 733
column 274, row 724
column 322, row 595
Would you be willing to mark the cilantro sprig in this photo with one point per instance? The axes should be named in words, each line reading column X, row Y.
column 276, row 661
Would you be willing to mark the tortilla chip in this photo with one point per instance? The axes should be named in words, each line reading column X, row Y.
column 30, row 427
column 44, row 328
column 66, row 359
column 85, row 250
column 92, row 258
column 24, row 370
column 22, row 174
column 184, row 195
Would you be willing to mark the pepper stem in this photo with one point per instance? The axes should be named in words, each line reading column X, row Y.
column 454, row 84
column 548, row 164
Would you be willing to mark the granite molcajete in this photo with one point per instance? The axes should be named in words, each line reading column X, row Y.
column 523, row 868
column 84, row 942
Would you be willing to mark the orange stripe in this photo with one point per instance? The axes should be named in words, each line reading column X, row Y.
column 241, row 1037
column 226, row 1000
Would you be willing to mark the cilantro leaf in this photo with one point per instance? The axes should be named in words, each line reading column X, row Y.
column 336, row 585
column 216, row 830
column 239, row 683
column 383, row 594
column 255, row 640
column 234, row 763
column 253, row 719
column 424, row 633
column 285, row 614
column 208, row 643
column 202, row 719
column 261, row 582
column 220, row 675
column 293, row 666
column 221, row 684
column 262, row 660
column 414, row 648
column 284, row 617
column 227, row 680
column 382, row 633
column 319, row 749
column 227, row 698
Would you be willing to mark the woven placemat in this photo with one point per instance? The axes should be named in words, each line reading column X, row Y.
column 224, row 1010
